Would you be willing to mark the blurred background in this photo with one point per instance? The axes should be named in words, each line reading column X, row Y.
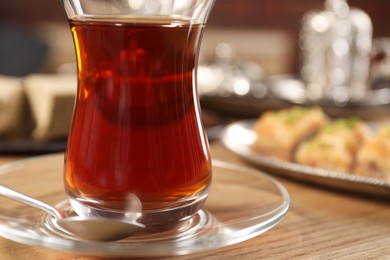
column 283, row 16
column 257, row 39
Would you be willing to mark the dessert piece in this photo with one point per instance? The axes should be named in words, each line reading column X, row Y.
column 373, row 159
column 51, row 99
column 11, row 105
column 279, row 132
column 335, row 146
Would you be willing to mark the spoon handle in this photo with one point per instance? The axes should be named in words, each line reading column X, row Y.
column 11, row 194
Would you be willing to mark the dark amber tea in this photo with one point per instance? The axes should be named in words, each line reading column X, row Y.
column 137, row 130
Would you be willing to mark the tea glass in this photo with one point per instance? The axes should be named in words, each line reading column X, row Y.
column 137, row 147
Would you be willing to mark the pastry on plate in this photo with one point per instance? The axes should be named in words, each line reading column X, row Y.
column 279, row 132
column 334, row 147
column 373, row 159
column 51, row 99
column 11, row 106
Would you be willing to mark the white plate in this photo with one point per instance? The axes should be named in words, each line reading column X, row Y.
column 243, row 203
column 239, row 137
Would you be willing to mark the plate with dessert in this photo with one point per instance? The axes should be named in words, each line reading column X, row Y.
column 305, row 144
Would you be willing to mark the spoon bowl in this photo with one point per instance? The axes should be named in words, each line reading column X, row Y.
column 89, row 228
column 99, row 229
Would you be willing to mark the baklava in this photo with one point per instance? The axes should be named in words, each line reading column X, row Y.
column 334, row 147
column 373, row 159
column 279, row 132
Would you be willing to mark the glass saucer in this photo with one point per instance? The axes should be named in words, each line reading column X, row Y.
column 243, row 203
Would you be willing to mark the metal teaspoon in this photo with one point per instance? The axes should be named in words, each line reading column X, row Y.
column 89, row 228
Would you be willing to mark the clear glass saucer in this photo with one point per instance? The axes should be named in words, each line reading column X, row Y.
column 243, row 203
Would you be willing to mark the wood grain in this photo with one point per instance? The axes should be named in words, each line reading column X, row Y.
column 321, row 224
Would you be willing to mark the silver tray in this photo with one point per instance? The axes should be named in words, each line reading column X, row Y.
column 239, row 136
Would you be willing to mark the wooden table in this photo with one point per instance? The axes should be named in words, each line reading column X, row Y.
column 321, row 224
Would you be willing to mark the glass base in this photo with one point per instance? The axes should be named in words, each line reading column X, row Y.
column 186, row 227
column 152, row 219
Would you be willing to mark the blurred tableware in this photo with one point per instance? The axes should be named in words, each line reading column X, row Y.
column 293, row 89
column 335, row 46
column 270, row 49
column 229, row 76
column 27, row 146
column 284, row 91
column 380, row 64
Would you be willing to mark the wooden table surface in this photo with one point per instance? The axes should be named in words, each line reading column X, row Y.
column 321, row 224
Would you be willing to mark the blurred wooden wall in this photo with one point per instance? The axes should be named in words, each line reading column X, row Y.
column 283, row 15
column 286, row 15
column 280, row 14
